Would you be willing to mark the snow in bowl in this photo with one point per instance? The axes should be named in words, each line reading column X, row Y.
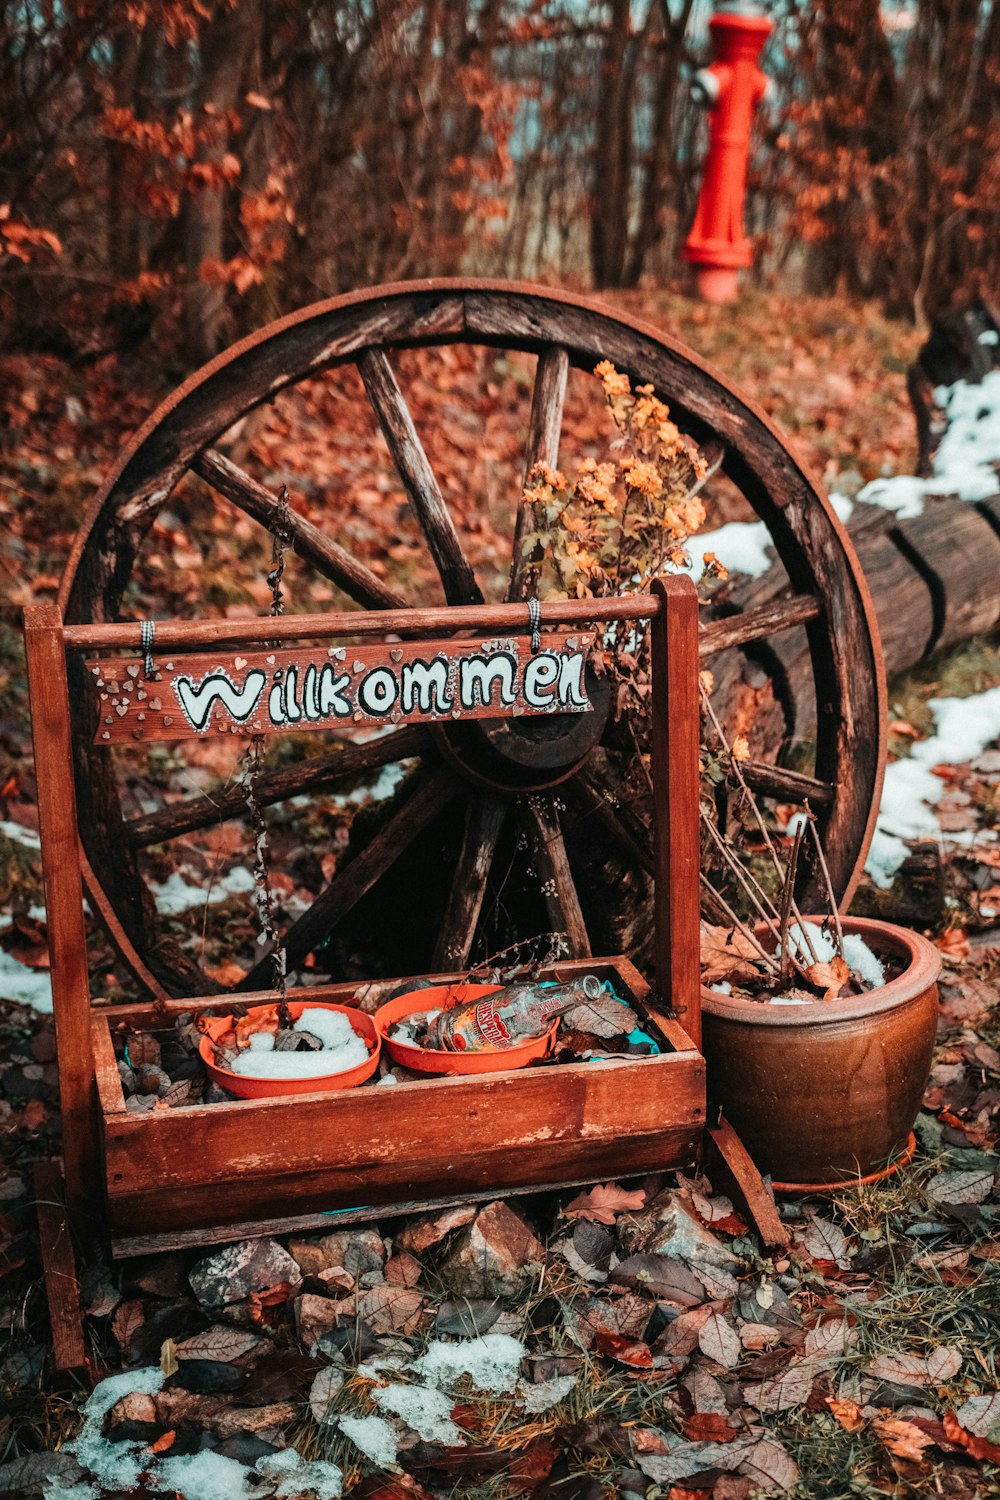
column 257, row 1069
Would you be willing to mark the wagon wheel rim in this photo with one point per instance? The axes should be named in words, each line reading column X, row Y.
column 829, row 594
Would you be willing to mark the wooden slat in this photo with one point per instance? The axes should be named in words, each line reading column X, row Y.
column 276, row 1156
column 789, row 786
column 312, row 775
column 756, row 624
column 126, row 1246
column 675, row 769
column 62, row 1290
column 67, row 938
column 109, row 1084
column 484, row 819
column 367, row 994
column 544, row 426
column 457, row 577
column 357, row 877
column 548, row 850
column 285, row 691
column 194, row 635
column 326, row 556
column 732, row 1171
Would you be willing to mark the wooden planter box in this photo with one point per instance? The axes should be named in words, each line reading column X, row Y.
column 261, row 1166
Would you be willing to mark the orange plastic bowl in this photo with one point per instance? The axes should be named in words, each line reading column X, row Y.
column 267, row 1088
column 424, row 1060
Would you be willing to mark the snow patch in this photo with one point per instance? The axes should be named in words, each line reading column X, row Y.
column 427, row 1411
column 963, row 464
column 342, row 1050
column 20, row 835
column 963, row 729
column 857, row 954
column 490, row 1361
column 204, row 1476
column 31, row 987
column 114, row 1466
column 375, row 1438
column 291, row 1475
column 176, row 894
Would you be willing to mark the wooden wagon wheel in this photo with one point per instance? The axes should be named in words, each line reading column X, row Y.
column 826, row 595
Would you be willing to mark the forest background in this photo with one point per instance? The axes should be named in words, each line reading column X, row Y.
column 173, row 174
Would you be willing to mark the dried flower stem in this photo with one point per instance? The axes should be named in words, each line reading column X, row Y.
column 786, row 909
column 750, row 887
column 741, row 927
column 758, row 818
column 831, row 898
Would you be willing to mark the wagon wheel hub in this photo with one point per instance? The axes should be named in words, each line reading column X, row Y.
column 530, row 754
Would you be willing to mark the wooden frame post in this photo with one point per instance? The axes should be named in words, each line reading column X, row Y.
column 50, row 732
column 677, row 842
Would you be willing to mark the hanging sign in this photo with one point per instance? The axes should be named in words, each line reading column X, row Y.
column 267, row 692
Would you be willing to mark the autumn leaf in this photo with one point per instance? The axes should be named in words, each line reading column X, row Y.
column 846, row 1413
column 631, row 1352
column 978, row 1447
column 163, row 1443
column 604, row 1202
column 168, row 1358
column 727, row 954
column 709, row 1427
column 901, row 1438
column 829, row 977
column 718, row 1340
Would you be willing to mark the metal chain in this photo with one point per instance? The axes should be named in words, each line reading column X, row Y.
column 280, row 528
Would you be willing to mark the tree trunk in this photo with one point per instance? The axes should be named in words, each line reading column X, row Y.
column 227, row 41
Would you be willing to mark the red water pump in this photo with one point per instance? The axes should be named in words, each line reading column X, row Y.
column 730, row 89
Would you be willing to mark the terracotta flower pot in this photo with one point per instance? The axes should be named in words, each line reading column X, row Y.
column 827, row 1093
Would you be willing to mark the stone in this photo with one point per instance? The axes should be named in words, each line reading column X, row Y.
column 309, row 1255
column 359, row 1251
column 230, row 1275
column 679, row 1232
column 490, row 1256
column 317, row 1316
column 133, row 1408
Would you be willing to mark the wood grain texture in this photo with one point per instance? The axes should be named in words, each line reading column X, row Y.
column 731, row 1170
column 757, row 623
column 544, row 426
column 551, row 863
column 457, row 577
column 286, row 691
column 957, row 551
column 62, row 1289
column 312, row 775
column 67, row 938
column 675, row 770
column 483, row 820
column 325, row 555
column 198, row 635
column 266, row 1158
column 431, row 794
column 789, row 786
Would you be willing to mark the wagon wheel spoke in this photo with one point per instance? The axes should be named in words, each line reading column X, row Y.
column 552, row 865
column 598, row 806
column 788, row 786
column 345, row 890
column 327, row 557
column 544, row 426
column 758, row 623
column 483, row 820
column 457, row 577
column 347, row 759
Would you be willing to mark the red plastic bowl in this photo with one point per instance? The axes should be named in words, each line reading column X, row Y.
column 426, row 1060
column 267, row 1088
